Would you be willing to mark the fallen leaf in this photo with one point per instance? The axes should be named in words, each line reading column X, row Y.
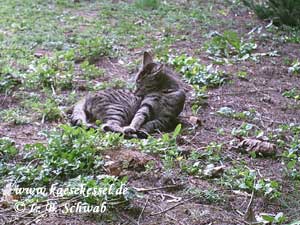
column 212, row 171
column 121, row 160
column 259, row 147
column 195, row 121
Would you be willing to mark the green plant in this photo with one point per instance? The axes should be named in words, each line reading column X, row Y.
column 47, row 110
column 293, row 93
column 247, row 130
column 228, row 45
column 295, row 67
column 199, row 98
column 291, row 156
column 15, row 116
column 52, row 72
column 91, row 49
column 70, row 152
column 165, row 146
column 210, row 196
column 196, row 161
column 9, row 78
column 245, row 179
column 198, row 74
column 8, row 149
column 279, row 218
column 281, row 11
column 229, row 112
column 90, row 71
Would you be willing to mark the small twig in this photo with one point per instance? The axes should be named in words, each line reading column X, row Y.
column 21, row 137
column 157, row 188
column 172, row 207
column 242, row 92
column 140, row 216
column 175, row 199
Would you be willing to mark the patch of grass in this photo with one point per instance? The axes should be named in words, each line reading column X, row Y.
column 90, row 71
column 147, row 4
column 45, row 110
column 69, row 160
column 91, row 49
column 55, row 72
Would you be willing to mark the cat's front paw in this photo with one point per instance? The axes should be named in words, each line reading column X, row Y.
column 128, row 130
column 142, row 134
column 112, row 128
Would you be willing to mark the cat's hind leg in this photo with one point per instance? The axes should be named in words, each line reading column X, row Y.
column 152, row 126
column 114, row 119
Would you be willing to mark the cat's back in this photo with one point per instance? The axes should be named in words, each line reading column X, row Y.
column 106, row 103
column 112, row 96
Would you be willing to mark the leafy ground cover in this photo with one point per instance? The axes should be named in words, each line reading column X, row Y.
column 236, row 151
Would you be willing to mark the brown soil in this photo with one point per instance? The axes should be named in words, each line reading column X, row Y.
column 262, row 91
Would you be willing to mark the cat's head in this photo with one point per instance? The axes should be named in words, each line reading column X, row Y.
column 150, row 77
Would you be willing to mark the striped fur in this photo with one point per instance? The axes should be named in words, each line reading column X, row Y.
column 158, row 100
column 114, row 108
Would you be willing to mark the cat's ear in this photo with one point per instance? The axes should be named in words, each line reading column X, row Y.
column 147, row 59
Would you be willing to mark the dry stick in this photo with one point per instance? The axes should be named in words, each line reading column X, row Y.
column 242, row 92
column 157, row 188
column 172, row 207
column 172, row 218
column 140, row 216
column 22, row 138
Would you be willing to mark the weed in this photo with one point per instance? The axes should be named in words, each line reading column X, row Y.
column 198, row 74
column 245, row 130
column 293, row 93
column 196, row 161
column 8, row 149
column 165, row 146
column 9, row 78
column 279, row 218
column 210, row 196
column 245, row 179
column 295, row 67
column 229, row 45
column 114, row 83
column 229, row 112
column 15, row 116
column 91, row 49
column 48, row 110
column 52, row 72
column 90, row 71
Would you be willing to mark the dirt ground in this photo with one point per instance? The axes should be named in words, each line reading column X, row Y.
column 261, row 91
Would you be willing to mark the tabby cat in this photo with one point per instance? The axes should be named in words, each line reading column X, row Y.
column 158, row 100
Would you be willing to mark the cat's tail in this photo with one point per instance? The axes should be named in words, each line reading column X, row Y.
column 78, row 117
